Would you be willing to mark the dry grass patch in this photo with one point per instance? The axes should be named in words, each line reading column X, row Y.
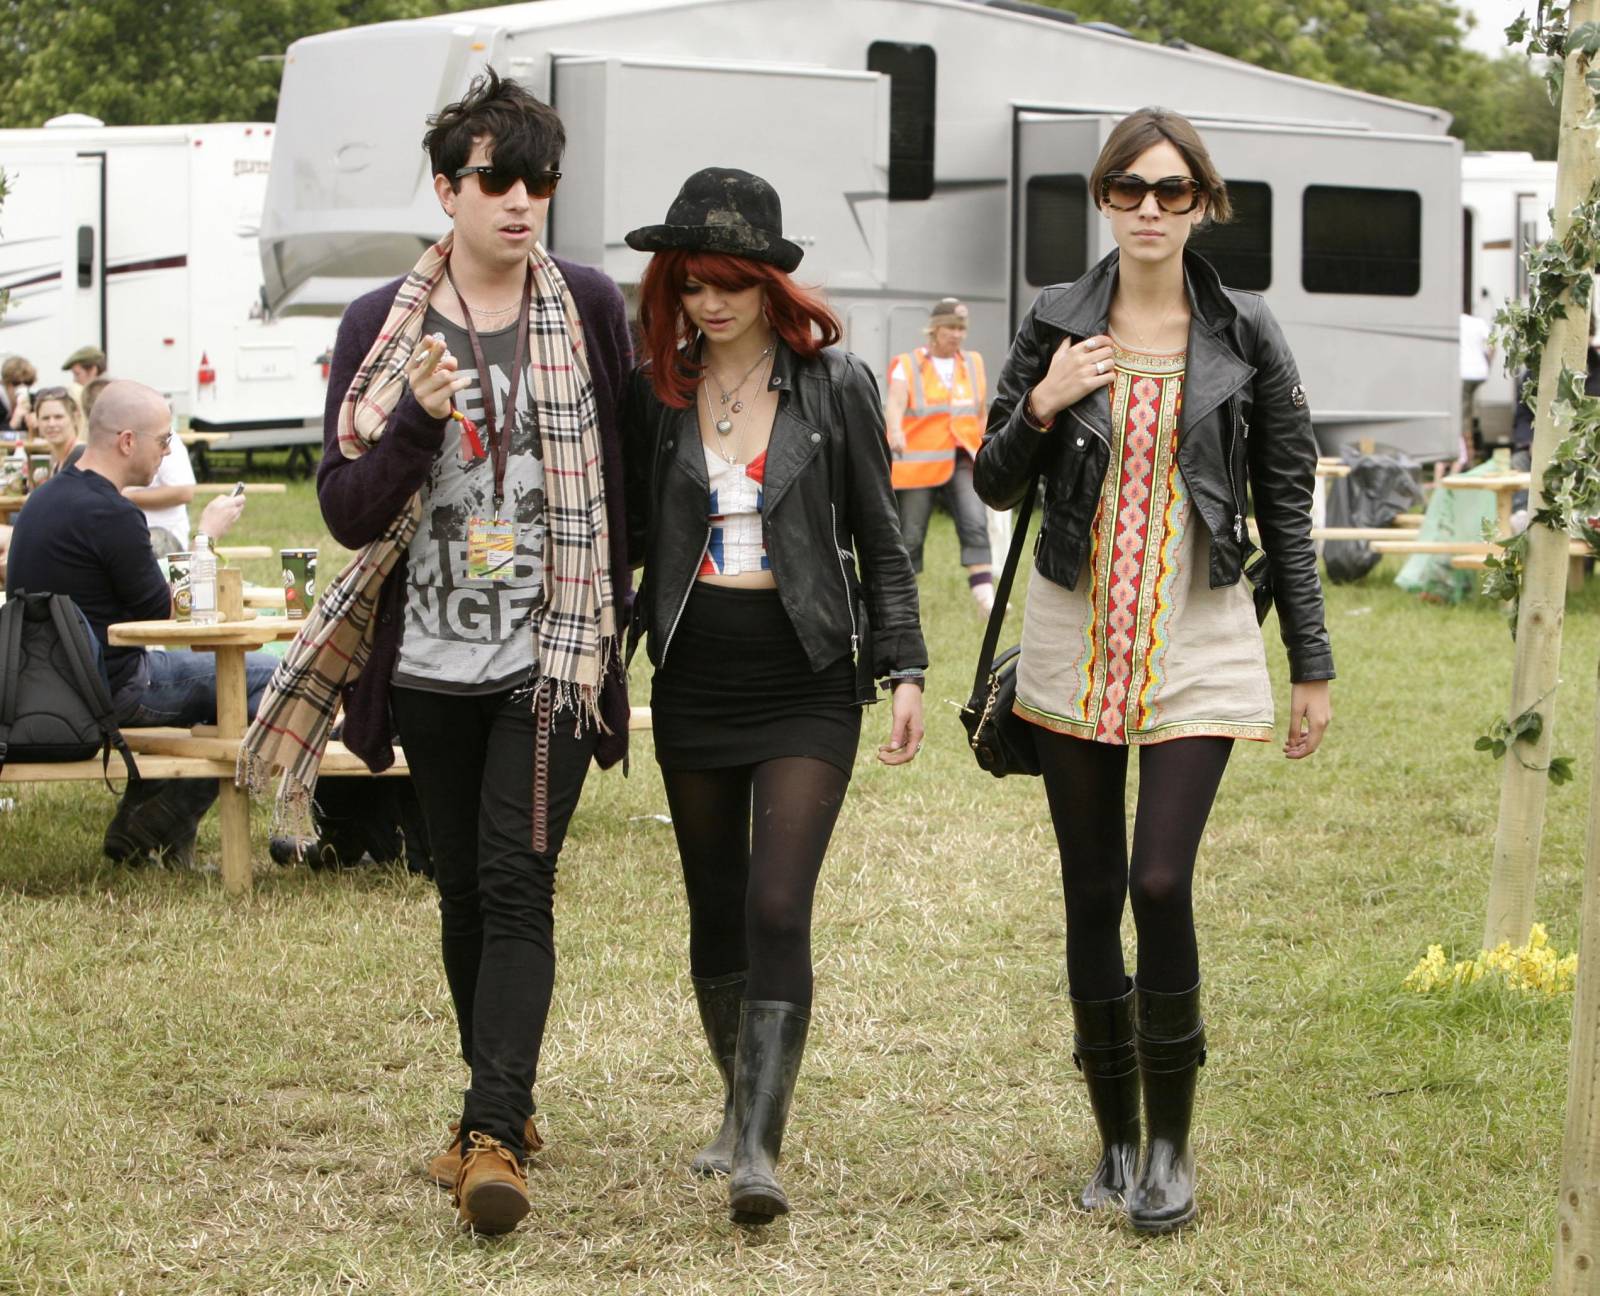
column 207, row 1097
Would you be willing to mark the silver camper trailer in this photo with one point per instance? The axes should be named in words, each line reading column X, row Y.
column 1505, row 205
column 922, row 148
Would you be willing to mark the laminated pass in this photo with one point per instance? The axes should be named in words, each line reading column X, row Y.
column 491, row 549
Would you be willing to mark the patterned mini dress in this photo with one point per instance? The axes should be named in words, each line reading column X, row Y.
column 1144, row 650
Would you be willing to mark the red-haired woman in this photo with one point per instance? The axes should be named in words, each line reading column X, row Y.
column 757, row 476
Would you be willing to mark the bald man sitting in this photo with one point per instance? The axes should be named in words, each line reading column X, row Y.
column 79, row 535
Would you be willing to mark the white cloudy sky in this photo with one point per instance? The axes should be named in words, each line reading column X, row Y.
column 1493, row 16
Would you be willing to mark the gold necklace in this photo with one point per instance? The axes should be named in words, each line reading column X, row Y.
column 1143, row 344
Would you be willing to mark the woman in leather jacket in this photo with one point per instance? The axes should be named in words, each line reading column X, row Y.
column 1148, row 396
column 757, row 473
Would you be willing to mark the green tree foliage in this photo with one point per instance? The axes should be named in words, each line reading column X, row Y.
column 1405, row 49
column 134, row 62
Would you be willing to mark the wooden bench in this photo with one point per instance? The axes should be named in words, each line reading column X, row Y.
column 1365, row 533
column 178, row 754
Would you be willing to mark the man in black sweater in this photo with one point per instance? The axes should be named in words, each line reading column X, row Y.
column 80, row 536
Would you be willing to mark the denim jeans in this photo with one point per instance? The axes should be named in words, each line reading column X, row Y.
column 175, row 688
column 957, row 495
column 180, row 688
column 472, row 760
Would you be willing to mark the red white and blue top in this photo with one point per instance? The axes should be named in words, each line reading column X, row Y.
column 737, row 494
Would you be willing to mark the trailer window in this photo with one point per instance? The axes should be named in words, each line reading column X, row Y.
column 1056, row 229
column 1365, row 241
column 912, row 71
column 1241, row 250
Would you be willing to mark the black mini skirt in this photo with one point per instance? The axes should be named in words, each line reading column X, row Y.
column 737, row 688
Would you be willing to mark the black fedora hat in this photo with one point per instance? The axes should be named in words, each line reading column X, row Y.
column 721, row 209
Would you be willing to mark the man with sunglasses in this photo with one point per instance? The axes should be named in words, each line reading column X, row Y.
column 471, row 451
column 79, row 535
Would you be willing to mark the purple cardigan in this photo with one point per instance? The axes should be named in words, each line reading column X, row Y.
column 359, row 497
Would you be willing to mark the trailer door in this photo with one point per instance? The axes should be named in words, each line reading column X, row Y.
column 1054, row 234
column 820, row 136
column 83, row 280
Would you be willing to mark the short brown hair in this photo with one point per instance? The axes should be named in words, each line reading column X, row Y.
column 18, row 372
column 92, row 390
column 1148, row 127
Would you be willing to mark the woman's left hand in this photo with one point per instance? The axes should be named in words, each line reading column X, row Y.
column 1310, row 711
column 905, row 737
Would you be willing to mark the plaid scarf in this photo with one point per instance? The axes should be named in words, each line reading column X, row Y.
column 576, row 631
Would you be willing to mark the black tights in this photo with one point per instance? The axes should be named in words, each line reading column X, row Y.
column 1085, row 782
column 752, row 840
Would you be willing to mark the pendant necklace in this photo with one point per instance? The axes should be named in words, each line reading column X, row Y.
column 722, row 431
column 1145, row 346
column 724, row 425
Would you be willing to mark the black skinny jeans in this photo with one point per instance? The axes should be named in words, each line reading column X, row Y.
column 472, row 759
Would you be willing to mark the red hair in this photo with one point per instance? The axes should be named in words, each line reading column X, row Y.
column 799, row 317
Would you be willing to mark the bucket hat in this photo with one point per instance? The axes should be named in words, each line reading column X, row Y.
column 722, row 209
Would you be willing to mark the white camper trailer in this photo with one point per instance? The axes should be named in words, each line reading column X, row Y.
column 922, row 148
column 142, row 240
column 1505, row 201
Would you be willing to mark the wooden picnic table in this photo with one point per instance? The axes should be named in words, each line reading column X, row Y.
column 230, row 640
column 250, row 488
column 1504, row 484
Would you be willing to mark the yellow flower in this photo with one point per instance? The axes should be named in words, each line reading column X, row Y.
column 1534, row 968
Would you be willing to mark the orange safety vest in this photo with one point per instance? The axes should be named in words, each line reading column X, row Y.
column 938, row 420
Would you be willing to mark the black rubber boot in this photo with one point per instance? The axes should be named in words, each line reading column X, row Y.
column 772, row 1039
column 1102, row 1048
column 1171, row 1042
column 720, row 999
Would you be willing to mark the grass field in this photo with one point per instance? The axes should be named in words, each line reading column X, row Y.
column 212, row 1097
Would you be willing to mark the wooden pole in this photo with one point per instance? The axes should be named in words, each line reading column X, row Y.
column 1544, row 584
column 1578, row 1208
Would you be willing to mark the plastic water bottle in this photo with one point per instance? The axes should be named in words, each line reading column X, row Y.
column 203, row 582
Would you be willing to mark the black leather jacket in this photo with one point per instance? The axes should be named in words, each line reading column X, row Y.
column 1244, row 420
column 827, row 498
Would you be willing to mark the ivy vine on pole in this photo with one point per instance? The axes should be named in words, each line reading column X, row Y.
column 1556, row 269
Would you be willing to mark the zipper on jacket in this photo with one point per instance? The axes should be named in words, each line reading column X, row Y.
column 849, row 603
column 1234, row 424
column 688, row 591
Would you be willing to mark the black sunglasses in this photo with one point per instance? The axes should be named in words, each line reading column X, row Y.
column 494, row 181
column 1175, row 195
column 49, row 393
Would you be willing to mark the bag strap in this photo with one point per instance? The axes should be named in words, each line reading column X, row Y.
column 11, row 617
column 1002, row 591
column 70, row 631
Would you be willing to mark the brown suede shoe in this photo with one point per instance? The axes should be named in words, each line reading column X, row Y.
column 444, row 1168
column 491, row 1194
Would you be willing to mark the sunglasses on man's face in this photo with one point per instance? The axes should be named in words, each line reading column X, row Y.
column 495, row 181
column 1175, row 195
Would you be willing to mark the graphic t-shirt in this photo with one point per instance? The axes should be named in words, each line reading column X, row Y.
column 464, row 635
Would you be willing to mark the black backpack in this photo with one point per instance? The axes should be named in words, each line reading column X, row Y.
column 54, row 701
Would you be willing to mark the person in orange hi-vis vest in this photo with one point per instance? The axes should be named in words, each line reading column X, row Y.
column 934, row 416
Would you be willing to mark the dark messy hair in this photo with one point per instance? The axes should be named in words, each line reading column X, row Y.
column 1145, row 129
column 523, row 134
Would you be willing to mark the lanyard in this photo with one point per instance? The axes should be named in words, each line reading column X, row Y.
column 499, row 445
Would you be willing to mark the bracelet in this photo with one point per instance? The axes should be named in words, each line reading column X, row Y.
column 1031, row 418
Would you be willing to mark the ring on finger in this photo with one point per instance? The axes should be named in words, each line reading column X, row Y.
column 1100, row 366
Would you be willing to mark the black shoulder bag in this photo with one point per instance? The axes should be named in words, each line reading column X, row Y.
column 1002, row 742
